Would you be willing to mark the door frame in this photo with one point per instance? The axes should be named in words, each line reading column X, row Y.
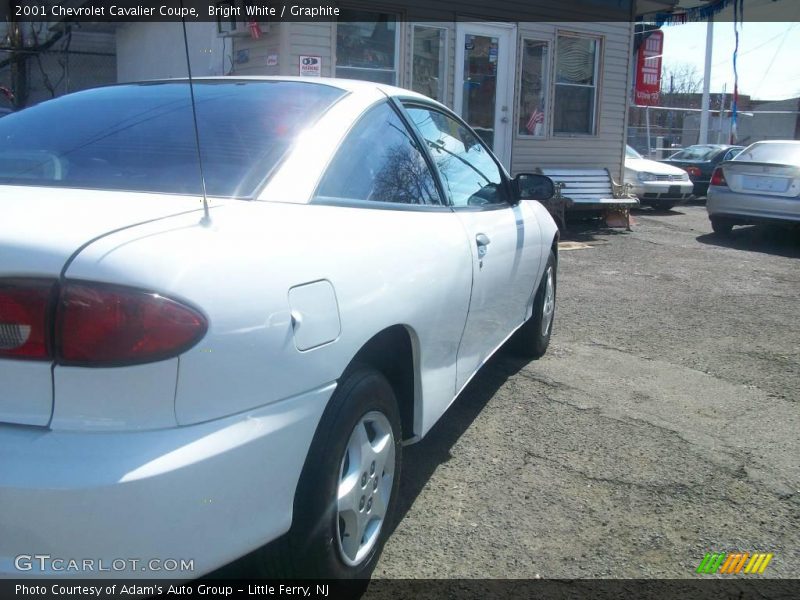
column 506, row 70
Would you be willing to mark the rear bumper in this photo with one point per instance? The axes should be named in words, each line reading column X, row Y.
column 700, row 187
column 747, row 208
column 167, row 503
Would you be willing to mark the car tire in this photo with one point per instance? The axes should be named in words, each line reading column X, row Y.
column 665, row 206
column 721, row 226
column 363, row 411
column 533, row 337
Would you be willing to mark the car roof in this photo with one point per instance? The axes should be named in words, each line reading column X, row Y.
column 349, row 85
column 778, row 142
column 719, row 146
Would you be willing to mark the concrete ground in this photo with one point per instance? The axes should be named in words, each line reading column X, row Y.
column 662, row 423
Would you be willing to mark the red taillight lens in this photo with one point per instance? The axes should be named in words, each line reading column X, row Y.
column 24, row 319
column 100, row 325
column 718, row 177
column 693, row 171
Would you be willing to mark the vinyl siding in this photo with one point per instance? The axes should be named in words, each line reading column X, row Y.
column 606, row 148
column 315, row 39
column 258, row 51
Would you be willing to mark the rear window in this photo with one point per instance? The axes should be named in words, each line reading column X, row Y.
column 141, row 137
column 699, row 153
column 784, row 154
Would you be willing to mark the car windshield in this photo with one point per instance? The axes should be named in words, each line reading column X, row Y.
column 699, row 153
column 631, row 153
column 784, row 154
column 140, row 137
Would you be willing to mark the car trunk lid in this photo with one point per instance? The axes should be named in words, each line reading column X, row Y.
column 766, row 179
column 40, row 229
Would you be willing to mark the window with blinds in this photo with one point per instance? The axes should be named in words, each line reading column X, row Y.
column 577, row 60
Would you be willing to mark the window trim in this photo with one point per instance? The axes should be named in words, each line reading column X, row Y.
column 377, row 10
column 405, row 102
column 598, row 63
column 319, row 199
column 549, row 87
column 446, row 58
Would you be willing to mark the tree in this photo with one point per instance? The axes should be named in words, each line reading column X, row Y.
column 25, row 42
column 680, row 78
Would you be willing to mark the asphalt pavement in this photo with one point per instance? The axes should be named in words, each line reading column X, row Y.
column 662, row 423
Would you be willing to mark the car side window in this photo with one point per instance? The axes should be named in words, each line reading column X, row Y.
column 469, row 172
column 380, row 161
column 731, row 154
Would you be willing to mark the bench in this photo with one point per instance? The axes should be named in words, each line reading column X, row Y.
column 588, row 189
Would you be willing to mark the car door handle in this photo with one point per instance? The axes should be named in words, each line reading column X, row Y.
column 482, row 241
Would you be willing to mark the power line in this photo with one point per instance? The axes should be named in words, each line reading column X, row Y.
column 769, row 41
column 774, row 56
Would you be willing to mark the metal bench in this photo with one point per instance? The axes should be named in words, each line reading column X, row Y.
column 589, row 189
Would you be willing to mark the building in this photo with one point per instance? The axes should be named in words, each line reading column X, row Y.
column 548, row 90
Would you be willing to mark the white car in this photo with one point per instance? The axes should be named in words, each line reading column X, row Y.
column 204, row 347
column 656, row 184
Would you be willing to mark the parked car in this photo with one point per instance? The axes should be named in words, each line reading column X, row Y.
column 700, row 161
column 656, row 184
column 760, row 185
column 205, row 348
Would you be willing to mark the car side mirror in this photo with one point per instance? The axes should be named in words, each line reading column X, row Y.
column 531, row 186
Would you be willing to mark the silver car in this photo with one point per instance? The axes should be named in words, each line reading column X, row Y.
column 760, row 185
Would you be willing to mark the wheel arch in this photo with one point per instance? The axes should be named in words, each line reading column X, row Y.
column 554, row 246
column 394, row 352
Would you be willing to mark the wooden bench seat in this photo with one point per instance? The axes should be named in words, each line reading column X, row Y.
column 588, row 189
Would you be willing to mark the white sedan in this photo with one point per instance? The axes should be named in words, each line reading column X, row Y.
column 211, row 337
column 656, row 184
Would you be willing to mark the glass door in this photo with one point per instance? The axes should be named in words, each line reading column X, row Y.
column 484, row 62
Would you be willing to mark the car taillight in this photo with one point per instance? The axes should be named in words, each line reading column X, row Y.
column 718, row 177
column 103, row 325
column 693, row 171
column 93, row 324
column 25, row 310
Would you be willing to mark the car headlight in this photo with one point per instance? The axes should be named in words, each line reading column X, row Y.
column 684, row 177
column 646, row 176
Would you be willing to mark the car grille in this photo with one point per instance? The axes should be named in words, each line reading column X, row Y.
column 669, row 177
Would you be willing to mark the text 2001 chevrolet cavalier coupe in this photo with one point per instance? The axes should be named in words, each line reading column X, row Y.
column 182, row 381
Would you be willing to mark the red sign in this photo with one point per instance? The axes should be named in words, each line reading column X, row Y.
column 648, row 69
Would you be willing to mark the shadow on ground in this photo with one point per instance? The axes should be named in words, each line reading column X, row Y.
column 420, row 460
column 648, row 211
column 589, row 230
column 766, row 239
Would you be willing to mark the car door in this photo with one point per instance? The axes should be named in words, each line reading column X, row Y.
column 504, row 236
column 405, row 253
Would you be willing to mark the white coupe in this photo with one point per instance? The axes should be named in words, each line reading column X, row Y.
column 224, row 308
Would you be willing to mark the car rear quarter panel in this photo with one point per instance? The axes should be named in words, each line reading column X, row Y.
column 386, row 267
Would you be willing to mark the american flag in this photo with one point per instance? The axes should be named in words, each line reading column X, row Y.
column 537, row 116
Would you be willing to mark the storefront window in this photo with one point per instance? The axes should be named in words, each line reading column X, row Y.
column 576, row 84
column 428, row 74
column 533, row 88
column 366, row 46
